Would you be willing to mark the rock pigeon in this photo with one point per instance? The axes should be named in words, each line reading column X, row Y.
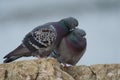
column 71, row 48
column 42, row 40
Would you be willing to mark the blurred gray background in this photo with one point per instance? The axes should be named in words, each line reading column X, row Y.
column 99, row 18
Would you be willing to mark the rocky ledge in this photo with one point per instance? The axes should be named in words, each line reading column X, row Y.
column 50, row 69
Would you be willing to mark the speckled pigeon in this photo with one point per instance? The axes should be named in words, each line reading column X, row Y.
column 71, row 48
column 42, row 40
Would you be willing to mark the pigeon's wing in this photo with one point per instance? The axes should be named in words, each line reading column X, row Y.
column 41, row 38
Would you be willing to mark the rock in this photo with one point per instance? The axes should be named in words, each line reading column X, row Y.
column 95, row 72
column 42, row 69
column 81, row 72
column 50, row 69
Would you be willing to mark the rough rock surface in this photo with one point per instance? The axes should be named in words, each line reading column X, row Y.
column 50, row 69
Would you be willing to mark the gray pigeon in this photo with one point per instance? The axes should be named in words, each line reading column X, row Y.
column 71, row 48
column 42, row 40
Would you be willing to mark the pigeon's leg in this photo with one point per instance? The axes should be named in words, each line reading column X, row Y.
column 65, row 65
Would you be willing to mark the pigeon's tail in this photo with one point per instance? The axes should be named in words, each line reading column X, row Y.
column 10, row 59
column 20, row 51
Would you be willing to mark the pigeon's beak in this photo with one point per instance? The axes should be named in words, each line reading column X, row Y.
column 84, row 36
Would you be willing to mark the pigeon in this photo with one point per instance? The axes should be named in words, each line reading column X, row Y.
column 71, row 48
column 42, row 40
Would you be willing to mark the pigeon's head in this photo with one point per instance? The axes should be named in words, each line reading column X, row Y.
column 79, row 32
column 70, row 22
